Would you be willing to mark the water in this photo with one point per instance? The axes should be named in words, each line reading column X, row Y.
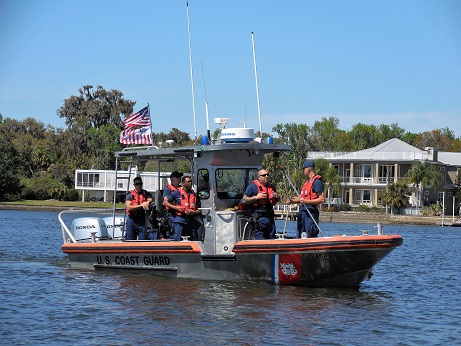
column 412, row 299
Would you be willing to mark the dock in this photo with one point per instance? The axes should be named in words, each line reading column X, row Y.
column 286, row 211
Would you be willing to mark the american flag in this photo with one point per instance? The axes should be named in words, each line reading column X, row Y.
column 136, row 136
column 141, row 118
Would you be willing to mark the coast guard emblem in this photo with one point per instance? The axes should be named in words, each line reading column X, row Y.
column 288, row 269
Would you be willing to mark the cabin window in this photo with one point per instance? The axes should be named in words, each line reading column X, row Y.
column 203, row 183
column 232, row 182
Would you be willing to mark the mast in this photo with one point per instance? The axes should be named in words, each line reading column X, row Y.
column 191, row 72
column 257, row 88
column 206, row 107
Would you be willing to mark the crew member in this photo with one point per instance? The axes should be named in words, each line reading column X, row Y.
column 261, row 196
column 311, row 197
column 137, row 203
column 183, row 209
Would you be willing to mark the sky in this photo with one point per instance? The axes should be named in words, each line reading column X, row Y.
column 360, row 61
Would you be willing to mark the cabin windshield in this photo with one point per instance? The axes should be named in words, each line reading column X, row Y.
column 232, row 182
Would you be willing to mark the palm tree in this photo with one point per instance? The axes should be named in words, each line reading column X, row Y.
column 396, row 195
column 457, row 193
column 330, row 177
column 422, row 175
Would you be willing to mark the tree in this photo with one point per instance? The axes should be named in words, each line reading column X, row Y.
column 330, row 177
column 365, row 136
column 95, row 108
column 442, row 139
column 396, row 195
column 297, row 135
column 326, row 136
column 94, row 120
column 421, row 175
column 9, row 165
column 179, row 137
column 390, row 131
column 457, row 193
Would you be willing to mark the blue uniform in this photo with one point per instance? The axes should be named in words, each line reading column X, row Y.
column 305, row 222
column 266, row 222
column 180, row 224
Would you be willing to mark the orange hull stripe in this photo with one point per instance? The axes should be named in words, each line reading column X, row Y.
column 318, row 244
column 169, row 247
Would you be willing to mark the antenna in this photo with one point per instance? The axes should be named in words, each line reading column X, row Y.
column 221, row 121
column 206, row 106
column 191, row 72
column 257, row 88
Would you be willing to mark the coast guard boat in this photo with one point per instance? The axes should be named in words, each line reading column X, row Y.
column 225, row 249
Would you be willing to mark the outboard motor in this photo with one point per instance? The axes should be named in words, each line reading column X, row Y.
column 115, row 232
column 82, row 229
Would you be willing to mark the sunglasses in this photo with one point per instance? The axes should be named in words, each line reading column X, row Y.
column 137, row 184
column 264, row 175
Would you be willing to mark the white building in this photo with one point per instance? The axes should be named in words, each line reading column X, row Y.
column 366, row 172
column 99, row 185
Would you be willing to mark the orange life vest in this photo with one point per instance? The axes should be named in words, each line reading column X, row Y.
column 188, row 201
column 172, row 188
column 306, row 191
column 137, row 198
column 269, row 190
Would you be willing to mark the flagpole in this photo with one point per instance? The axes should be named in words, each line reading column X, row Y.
column 150, row 124
column 191, row 72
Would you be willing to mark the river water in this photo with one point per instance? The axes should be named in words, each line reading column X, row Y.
column 413, row 297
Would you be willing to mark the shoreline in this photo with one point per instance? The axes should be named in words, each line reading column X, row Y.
column 325, row 217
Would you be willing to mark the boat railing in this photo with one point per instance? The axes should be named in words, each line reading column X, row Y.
column 66, row 233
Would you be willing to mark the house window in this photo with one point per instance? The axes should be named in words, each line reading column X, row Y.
column 367, row 172
column 358, row 173
column 358, row 196
column 440, row 197
column 362, row 196
column 366, row 196
column 363, row 173
column 386, row 174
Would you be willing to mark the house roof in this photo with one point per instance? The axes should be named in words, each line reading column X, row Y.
column 449, row 158
column 391, row 150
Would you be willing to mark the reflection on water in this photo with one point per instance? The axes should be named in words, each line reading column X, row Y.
column 412, row 298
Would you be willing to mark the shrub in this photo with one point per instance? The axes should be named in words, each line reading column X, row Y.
column 377, row 210
column 363, row 208
column 71, row 195
column 344, row 207
column 432, row 210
